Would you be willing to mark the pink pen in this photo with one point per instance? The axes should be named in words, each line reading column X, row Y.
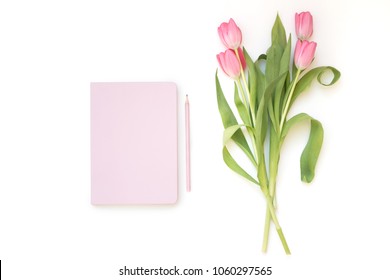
column 188, row 158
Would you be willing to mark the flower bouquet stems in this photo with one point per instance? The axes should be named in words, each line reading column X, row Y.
column 263, row 100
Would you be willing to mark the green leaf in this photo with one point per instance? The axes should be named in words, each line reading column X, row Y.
column 272, row 65
column 280, row 91
column 294, row 70
column 261, row 117
column 227, row 116
column 285, row 60
column 312, row 149
column 231, row 130
column 311, row 152
column 307, row 79
column 252, row 79
column 271, row 114
column 261, row 130
column 278, row 32
column 233, row 165
column 274, row 54
column 242, row 111
column 260, row 81
column 291, row 122
column 263, row 56
column 228, row 119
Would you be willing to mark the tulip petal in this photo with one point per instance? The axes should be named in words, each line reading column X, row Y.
column 304, row 54
column 230, row 34
column 304, row 25
column 222, row 29
column 229, row 63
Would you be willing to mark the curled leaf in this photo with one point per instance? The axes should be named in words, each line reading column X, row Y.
column 307, row 79
column 312, row 149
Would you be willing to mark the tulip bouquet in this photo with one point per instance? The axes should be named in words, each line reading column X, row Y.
column 263, row 97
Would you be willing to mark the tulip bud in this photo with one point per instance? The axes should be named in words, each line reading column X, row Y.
column 304, row 54
column 304, row 25
column 229, row 63
column 230, row 34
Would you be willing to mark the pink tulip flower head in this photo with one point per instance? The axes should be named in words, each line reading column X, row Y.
column 304, row 54
column 303, row 25
column 230, row 34
column 229, row 63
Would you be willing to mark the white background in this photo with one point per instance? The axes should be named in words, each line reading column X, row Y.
column 337, row 227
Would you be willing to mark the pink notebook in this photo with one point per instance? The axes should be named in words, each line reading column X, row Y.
column 133, row 143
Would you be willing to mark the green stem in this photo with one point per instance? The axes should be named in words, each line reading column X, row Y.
column 252, row 116
column 254, row 146
column 286, row 107
column 253, row 139
column 267, row 223
column 274, row 156
column 252, row 112
column 244, row 101
column 266, row 230
column 243, row 96
column 275, row 146
column 277, row 225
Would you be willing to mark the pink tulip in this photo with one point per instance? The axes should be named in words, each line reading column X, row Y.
column 304, row 25
column 230, row 34
column 304, row 53
column 229, row 63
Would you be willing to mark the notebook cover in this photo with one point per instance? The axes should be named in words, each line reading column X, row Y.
column 133, row 143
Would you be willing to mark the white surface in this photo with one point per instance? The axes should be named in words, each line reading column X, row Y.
column 50, row 51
